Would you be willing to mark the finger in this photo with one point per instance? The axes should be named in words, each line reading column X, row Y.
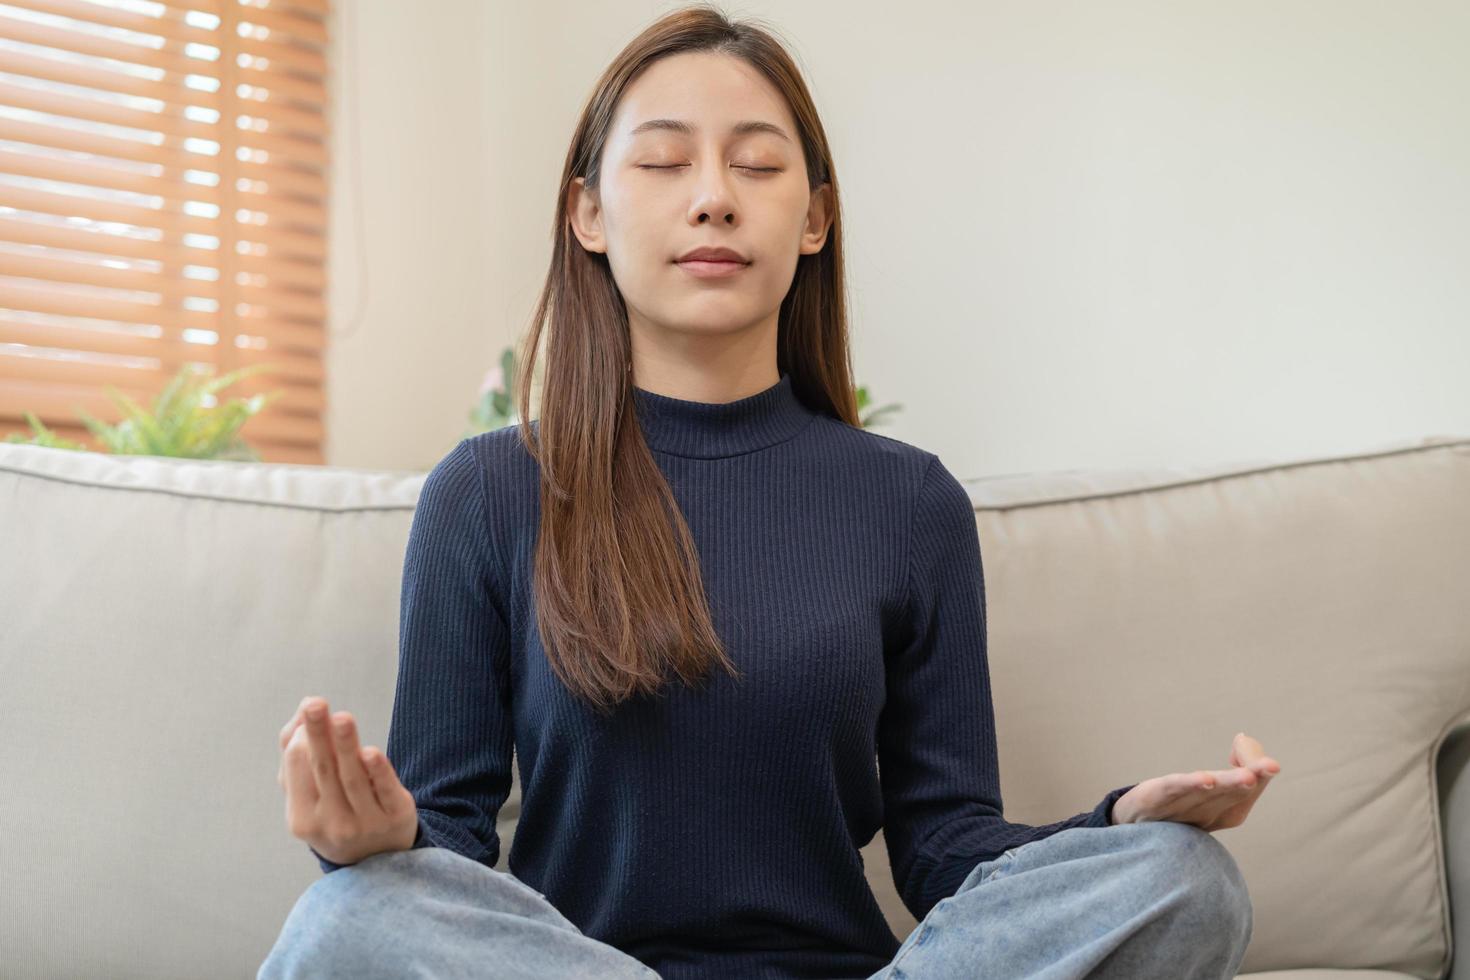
column 1218, row 779
column 1236, row 813
column 386, row 786
column 1248, row 752
column 1186, row 784
column 287, row 732
column 1238, row 785
column 1241, row 776
column 1205, row 806
column 1183, row 795
column 300, row 784
column 324, row 759
column 1203, row 797
column 290, row 727
column 1244, row 749
column 357, row 786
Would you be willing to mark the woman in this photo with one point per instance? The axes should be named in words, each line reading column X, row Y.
column 698, row 600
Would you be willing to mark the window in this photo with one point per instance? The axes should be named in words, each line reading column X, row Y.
column 163, row 201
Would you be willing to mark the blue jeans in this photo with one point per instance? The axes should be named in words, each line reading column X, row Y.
column 1158, row 899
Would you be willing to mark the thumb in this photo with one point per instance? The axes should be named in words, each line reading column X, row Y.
column 1235, row 751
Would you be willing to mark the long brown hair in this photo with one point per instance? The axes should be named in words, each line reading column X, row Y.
column 619, row 596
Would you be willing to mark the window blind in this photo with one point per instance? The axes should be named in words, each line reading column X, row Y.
column 163, row 201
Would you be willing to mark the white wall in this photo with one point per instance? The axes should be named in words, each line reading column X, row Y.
column 414, row 306
column 1078, row 235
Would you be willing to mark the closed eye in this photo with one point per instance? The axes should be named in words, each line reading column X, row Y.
column 675, row 166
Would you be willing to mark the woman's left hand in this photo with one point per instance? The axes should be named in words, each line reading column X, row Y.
column 1211, row 799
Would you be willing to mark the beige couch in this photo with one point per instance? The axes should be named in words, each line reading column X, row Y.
column 160, row 619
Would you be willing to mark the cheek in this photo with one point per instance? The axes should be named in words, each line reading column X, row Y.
column 636, row 246
column 773, row 277
column 623, row 213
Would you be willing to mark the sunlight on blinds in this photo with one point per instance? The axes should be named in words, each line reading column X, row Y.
column 163, row 201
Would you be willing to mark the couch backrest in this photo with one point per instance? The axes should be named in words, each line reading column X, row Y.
column 160, row 619
column 1139, row 619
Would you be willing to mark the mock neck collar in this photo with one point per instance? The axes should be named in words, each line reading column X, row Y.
column 710, row 430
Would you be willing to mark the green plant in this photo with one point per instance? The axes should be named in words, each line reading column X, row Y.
column 44, row 436
column 495, row 408
column 186, row 420
column 873, row 418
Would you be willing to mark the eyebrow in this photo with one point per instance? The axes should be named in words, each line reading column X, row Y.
column 739, row 129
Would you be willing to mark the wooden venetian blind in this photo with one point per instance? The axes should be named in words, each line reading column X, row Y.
column 163, row 201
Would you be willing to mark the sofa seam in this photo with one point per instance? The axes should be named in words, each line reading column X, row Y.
column 222, row 498
column 1211, row 478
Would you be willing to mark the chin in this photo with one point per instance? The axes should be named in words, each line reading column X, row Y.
column 706, row 323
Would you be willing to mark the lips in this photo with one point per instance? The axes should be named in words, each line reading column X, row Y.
column 713, row 254
column 701, row 269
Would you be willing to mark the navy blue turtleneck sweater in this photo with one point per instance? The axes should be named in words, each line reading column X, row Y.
column 715, row 833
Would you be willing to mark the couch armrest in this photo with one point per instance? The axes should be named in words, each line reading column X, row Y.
column 1454, row 807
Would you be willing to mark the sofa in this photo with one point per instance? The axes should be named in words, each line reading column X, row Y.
column 160, row 620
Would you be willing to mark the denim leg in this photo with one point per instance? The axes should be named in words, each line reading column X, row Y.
column 434, row 913
column 1159, row 899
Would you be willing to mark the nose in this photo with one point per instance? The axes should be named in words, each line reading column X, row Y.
column 714, row 199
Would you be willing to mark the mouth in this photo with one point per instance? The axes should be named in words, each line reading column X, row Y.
column 707, row 269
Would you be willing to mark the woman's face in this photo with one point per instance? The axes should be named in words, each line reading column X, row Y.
column 679, row 172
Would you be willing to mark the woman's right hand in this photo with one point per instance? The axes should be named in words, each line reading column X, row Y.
column 344, row 801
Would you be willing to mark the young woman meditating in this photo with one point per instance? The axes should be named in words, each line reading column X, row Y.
column 729, row 633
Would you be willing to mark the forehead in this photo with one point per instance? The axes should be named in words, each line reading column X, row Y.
column 699, row 94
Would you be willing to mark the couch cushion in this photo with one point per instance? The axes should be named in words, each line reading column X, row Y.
column 1139, row 619
column 160, row 620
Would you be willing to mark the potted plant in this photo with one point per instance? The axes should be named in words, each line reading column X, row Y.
column 186, row 420
column 875, row 416
column 494, row 406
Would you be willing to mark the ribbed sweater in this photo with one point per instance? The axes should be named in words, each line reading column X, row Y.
column 715, row 832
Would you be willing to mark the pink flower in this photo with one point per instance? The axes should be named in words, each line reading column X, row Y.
column 493, row 379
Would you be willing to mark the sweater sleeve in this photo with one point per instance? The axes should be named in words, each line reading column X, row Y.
column 937, row 756
column 451, row 734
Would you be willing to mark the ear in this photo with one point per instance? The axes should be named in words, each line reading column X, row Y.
column 819, row 216
column 584, row 213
